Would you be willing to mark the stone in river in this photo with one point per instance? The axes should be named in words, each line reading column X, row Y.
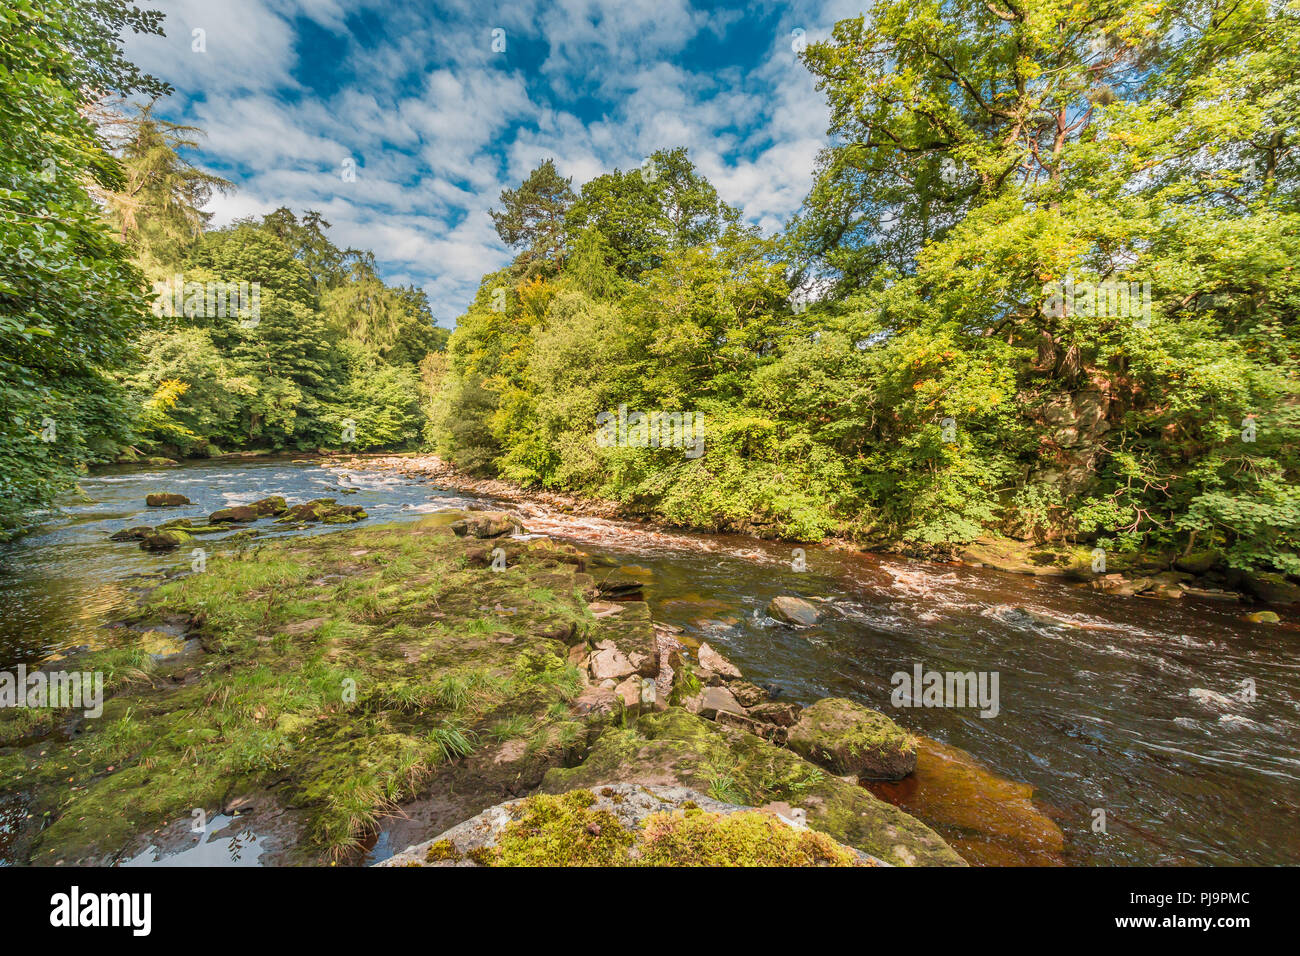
column 166, row 500
column 847, row 738
column 793, row 610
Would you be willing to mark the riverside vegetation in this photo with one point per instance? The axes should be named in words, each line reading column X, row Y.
column 898, row 367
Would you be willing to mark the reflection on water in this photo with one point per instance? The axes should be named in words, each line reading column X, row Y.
column 1129, row 706
column 224, row 842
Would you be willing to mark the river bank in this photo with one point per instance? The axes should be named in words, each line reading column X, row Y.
column 1201, row 575
column 1130, row 705
column 311, row 685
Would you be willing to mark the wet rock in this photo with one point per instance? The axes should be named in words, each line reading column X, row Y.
column 166, row 500
column 267, row 507
column 1211, row 594
column 240, row 513
column 994, row 820
column 1272, row 588
column 711, row 660
column 1120, row 585
column 487, row 524
column 164, row 540
column 620, row 587
column 1028, row 616
column 323, row 509
column 793, row 610
column 1167, row 592
column 1263, row 617
column 847, row 738
column 131, row 534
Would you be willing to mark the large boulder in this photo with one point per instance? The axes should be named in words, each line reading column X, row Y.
column 628, row 824
column 166, row 500
column 1272, row 588
column 849, row 739
column 676, row 748
column 793, row 610
column 487, row 524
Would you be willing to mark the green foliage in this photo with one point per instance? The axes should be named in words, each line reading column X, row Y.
column 70, row 302
column 983, row 160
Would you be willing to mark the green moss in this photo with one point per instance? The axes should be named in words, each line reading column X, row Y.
column 562, row 831
column 686, row 749
column 340, row 680
column 441, row 851
column 746, row 838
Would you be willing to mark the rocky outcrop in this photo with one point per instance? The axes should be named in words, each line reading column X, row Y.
column 849, row 739
column 487, row 524
column 166, row 500
column 678, row 749
column 793, row 610
column 629, row 824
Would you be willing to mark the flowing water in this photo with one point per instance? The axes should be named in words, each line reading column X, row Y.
column 1127, row 711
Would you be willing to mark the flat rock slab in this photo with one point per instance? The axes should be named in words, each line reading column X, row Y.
column 631, row 804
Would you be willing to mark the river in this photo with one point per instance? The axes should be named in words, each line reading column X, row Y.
column 1130, row 711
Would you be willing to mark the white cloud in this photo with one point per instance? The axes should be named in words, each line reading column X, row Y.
column 439, row 124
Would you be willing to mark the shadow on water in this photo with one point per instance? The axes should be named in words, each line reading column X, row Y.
column 1127, row 706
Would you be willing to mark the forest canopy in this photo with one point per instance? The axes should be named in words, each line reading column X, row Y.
column 1043, row 285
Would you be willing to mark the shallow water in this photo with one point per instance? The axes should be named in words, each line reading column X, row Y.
column 1132, row 707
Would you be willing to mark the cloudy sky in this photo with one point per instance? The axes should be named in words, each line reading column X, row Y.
column 436, row 118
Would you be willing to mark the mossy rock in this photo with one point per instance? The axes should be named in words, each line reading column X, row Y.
column 323, row 509
column 849, row 739
column 131, row 534
column 487, row 524
column 675, row 748
column 266, row 507
column 164, row 540
column 1199, row 562
column 341, row 673
column 628, row 825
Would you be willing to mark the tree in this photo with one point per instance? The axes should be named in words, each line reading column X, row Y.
column 532, row 219
column 159, row 209
column 70, row 302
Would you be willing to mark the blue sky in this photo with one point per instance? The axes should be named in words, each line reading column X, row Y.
column 437, row 122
